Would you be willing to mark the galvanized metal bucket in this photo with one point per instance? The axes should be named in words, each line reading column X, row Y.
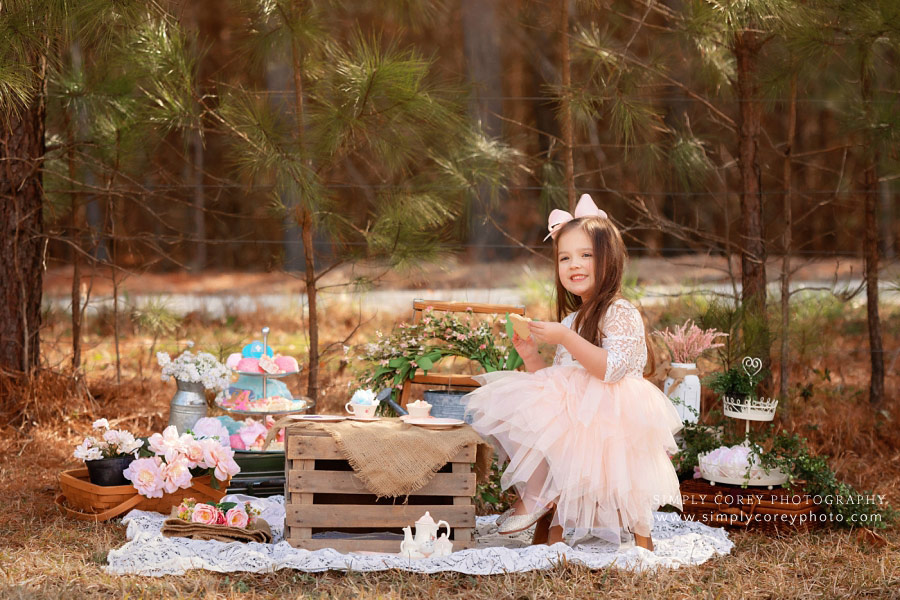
column 448, row 404
column 188, row 405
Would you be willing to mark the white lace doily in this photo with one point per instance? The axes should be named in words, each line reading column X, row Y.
column 147, row 552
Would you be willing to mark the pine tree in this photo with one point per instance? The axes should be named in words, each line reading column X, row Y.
column 85, row 72
column 364, row 100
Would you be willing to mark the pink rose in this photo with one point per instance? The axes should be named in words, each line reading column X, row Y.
column 220, row 517
column 236, row 517
column 222, row 459
column 205, row 514
column 169, row 443
column 146, row 475
column 177, row 475
column 193, row 453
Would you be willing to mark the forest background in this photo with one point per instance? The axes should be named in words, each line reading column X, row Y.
column 301, row 136
column 306, row 139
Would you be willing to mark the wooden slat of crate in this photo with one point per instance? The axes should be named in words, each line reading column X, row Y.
column 346, row 482
column 320, row 499
column 348, row 516
column 318, row 445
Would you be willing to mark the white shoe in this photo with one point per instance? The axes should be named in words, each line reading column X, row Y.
column 504, row 516
column 517, row 523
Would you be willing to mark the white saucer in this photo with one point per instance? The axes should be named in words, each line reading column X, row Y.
column 407, row 417
column 364, row 419
column 319, row 418
column 435, row 422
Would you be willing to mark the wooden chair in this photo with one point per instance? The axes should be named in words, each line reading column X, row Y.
column 448, row 379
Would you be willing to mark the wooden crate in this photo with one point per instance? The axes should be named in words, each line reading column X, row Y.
column 322, row 494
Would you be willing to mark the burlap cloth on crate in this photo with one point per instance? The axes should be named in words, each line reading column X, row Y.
column 258, row 531
column 394, row 459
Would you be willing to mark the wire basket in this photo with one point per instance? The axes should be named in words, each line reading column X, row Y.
column 750, row 409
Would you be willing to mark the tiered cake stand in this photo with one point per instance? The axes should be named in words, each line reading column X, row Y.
column 302, row 404
column 748, row 409
column 262, row 471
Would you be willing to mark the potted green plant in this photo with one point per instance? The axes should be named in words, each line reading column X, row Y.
column 732, row 382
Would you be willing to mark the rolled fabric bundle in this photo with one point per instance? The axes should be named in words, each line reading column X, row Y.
column 257, row 531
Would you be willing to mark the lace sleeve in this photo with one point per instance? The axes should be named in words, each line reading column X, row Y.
column 623, row 331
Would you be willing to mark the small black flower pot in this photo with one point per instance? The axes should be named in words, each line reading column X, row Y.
column 108, row 471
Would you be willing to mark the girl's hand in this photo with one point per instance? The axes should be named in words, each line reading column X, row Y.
column 548, row 331
column 526, row 347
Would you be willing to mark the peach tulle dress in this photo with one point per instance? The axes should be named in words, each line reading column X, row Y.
column 596, row 447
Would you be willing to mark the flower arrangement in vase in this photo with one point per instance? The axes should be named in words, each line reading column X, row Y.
column 395, row 358
column 202, row 368
column 686, row 344
column 107, row 456
column 170, row 461
column 193, row 373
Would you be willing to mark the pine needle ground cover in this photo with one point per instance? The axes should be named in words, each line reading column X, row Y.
column 44, row 555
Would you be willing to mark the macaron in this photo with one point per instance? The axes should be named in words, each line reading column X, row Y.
column 288, row 364
column 249, row 365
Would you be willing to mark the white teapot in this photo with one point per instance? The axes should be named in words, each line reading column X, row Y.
column 423, row 545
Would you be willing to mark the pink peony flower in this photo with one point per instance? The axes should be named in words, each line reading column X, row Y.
column 146, row 475
column 211, row 427
column 177, row 475
column 236, row 517
column 205, row 514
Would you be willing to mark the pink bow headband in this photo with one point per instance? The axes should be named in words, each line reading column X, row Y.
column 584, row 208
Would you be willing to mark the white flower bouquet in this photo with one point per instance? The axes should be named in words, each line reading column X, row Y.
column 110, row 443
column 202, row 367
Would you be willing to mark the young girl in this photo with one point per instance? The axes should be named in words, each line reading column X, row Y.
column 588, row 435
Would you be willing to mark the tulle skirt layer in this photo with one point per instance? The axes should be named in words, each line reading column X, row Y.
column 599, row 450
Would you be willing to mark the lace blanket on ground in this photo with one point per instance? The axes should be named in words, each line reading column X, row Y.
column 623, row 331
column 678, row 543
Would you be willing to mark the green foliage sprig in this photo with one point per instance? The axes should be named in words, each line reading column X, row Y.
column 394, row 359
column 732, row 382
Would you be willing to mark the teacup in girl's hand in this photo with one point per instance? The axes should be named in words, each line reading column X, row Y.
column 520, row 325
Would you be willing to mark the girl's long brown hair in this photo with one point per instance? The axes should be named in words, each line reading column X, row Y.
column 609, row 270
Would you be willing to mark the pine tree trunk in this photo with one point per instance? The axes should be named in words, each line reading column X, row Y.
column 305, row 220
column 481, row 47
column 753, row 247
column 753, row 254
column 871, row 250
column 312, row 386
column 22, row 239
column 566, row 108
column 784, row 379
